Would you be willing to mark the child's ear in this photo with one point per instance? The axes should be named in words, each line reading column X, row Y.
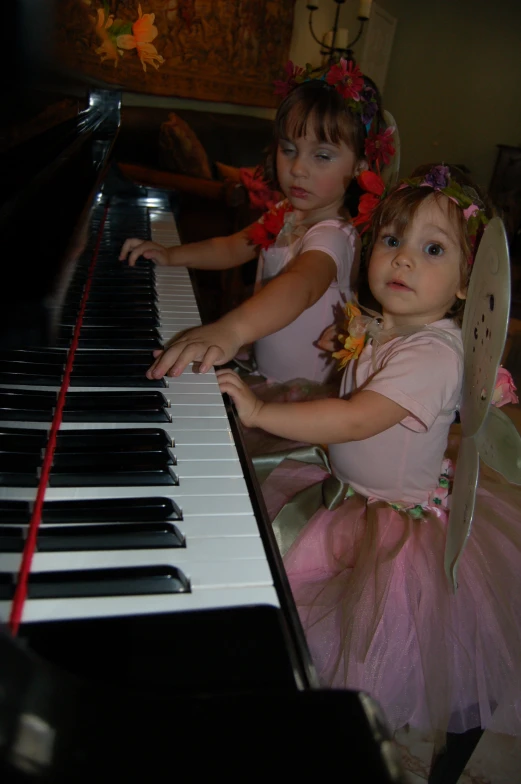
column 360, row 167
column 462, row 293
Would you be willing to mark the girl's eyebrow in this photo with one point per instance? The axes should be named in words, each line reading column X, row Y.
column 443, row 231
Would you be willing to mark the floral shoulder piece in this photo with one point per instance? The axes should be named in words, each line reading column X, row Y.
column 353, row 336
column 265, row 231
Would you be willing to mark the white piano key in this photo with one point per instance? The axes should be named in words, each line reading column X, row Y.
column 100, row 607
column 210, row 555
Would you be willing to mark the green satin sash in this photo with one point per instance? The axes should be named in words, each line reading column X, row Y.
column 296, row 513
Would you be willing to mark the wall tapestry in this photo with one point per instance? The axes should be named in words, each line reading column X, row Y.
column 213, row 50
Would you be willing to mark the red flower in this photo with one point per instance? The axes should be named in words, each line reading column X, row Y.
column 379, row 147
column 347, row 78
column 284, row 86
column 374, row 188
column 371, row 182
column 266, row 230
column 366, row 206
column 261, row 196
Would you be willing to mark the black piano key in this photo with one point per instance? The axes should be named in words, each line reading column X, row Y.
column 22, row 440
column 125, row 581
column 109, row 321
column 47, row 356
column 108, row 461
column 15, row 512
column 12, row 479
column 115, row 359
column 29, row 379
column 126, row 536
column 7, row 583
column 126, row 440
column 139, row 342
column 20, row 462
column 27, row 405
column 145, row 477
column 93, row 510
column 116, row 407
column 12, row 539
column 137, row 380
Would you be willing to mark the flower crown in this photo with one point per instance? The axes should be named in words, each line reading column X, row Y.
column 360, row 98
column 439, row 179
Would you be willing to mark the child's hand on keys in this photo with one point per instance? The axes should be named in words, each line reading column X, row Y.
column 133, row 248
column 213, row 344
column 328, row 341
column 247, row 404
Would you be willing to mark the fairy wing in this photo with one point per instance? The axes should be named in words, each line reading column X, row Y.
column 484, row 331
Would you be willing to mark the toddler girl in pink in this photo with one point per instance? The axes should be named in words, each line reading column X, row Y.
column 367, row 570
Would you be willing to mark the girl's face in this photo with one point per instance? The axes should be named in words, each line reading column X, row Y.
column 416, row 277
column 314, row 175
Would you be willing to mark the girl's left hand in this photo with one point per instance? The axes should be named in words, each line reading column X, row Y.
column 328, row 341
column 248, row 406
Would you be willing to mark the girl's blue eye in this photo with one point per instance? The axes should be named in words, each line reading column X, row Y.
column 286, row 149
column 324, row 156
column 434, row 249
column 391, row 241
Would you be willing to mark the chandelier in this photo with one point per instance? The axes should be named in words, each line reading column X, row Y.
column 335, row 44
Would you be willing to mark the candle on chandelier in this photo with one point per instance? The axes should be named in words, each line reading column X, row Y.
column 364, row 12
column 341, row 38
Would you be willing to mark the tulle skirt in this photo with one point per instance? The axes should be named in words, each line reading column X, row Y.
column 379, row 614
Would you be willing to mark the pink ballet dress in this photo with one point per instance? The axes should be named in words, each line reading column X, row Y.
column 368, row 577
column 289, row 364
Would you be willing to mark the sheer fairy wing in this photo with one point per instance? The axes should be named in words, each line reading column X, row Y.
column 462, row 503
column 485, row 325
column 499, row 445
column 484, row 333
column 391, row 173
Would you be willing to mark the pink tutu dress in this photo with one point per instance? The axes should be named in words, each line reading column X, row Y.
column 368, row 577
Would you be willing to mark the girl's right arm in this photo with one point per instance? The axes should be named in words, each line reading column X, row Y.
column 214, row 253
column 329, row 421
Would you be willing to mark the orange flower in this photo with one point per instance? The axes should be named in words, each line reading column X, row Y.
column 354, row 340
column 107, row 50
column 143, row 32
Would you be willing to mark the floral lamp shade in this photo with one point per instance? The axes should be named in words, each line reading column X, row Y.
column 216, row 50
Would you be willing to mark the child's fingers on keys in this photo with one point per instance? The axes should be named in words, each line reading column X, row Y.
column 128, row 246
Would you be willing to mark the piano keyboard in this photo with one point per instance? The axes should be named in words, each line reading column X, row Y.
column 147, row 509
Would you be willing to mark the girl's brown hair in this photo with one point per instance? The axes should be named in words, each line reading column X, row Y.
column 319, row 106
column 399, row 207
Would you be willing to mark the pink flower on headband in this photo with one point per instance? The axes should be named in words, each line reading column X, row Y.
column 379, row 147
column 284, row 86
column 470, row 211
column 346, row 78
column 505, row 389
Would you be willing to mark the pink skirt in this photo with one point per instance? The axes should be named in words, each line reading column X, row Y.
column 379, row 615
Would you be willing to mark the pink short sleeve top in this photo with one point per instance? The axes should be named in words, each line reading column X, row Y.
column 291, row 352
column 422, row 373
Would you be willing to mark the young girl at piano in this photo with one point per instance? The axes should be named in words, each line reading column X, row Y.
column 328, row 129
column 362, row 525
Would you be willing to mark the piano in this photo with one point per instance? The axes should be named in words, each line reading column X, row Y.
column 147, row 625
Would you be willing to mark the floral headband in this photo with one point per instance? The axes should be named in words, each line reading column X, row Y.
column 360, row 98
column 439, row 179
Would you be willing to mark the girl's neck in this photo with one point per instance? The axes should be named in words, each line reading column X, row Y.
column 311, row 217
column 390, row 320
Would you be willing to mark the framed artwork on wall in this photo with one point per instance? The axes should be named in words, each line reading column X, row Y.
column 377, row 45
column 212, row 50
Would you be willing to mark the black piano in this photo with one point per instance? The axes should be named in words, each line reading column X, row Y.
column 146, row 623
